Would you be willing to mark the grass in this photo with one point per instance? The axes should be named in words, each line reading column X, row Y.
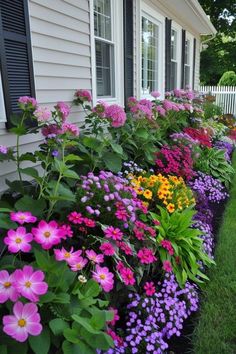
column 215, row 332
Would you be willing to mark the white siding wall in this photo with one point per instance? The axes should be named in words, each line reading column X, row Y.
column 60, row 34
column 197, row 65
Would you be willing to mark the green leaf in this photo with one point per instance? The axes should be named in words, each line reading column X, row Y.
column 40, row 344
column 80, row 348
column 28, row 156
column 142, row 133
column 112, row 161
column 91, row 289
column 62, row 298
column 117, row 148
column 6, row 223
column 57, row 326
column 3, row 349
column 30, row 171
column 71, row 335
column 70, row 174
column 85, row 323
column 64, row 193
column 35, row 206
column 72, row 157
column 18, row 130
column 5, row 210
column 42, row 259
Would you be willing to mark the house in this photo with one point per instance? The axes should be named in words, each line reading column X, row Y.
column 115, row 48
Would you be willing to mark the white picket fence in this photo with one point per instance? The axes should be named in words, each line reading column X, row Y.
column 225, row 96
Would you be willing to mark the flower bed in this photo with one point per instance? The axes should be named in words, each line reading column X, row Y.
column 105, row 250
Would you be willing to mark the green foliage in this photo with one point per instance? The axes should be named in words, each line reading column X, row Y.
column 211, row 110
column 212, row 162
column 228, row 79
column 187, row 245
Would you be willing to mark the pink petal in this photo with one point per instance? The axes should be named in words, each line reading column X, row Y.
column 28, row 270
column 4, row 276
column 14, row 248
column 39, row 288
column 34, row 328
column 37, row 276
column 10, row 329
column 3, row 296
column 17, row 309
column 21, row 230
column 11, row 233
column 28, row 237
column 21, row 334
column 25, row 247
column 29, row 310
column 7, row 320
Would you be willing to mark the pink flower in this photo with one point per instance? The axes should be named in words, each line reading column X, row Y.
column 83, row 95
column 30, row 284
column 167, row 266
column 63, row 109
column 155, row 94
column 121, row 214
column 161, row 111
column 22, row 217
column 146, row 256
column 43, row 114
column 120, row 266
column 107, row 249
column 168, row 246
column 116, row 316
column 18, row 240
column 149, row 288
column 89, row 222
column 75, row 218
column 80, row 264
column 3, row 149
column 104, row 278
column 127, row 276
column 47, row 234
column 66, row 229
column 24, row 321
column 94, row 257
column 117, row 115
column 70, row 128
column 51, row 130
column 7, row 289
column 125, row 248
column 113, row 233
column 26, row 100
column 68, row 256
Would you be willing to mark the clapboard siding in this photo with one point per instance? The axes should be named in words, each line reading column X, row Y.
column 197, row 64
column 60, row 35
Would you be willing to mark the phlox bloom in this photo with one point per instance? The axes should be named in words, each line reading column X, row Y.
column 30, row 284
column 24, row 321
column 149, row 288
column 18, row 240
column 7, row 288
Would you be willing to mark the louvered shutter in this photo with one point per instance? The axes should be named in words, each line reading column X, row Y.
column 128, row 49
column 15, row 53
column 167, row 54
column 194, row 60
column 183, row 57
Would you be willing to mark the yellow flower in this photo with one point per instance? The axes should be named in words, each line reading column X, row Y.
column 147, row 194
column 170, row 207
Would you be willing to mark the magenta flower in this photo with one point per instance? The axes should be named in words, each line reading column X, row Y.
column 167, row 266
column 117, row 115
column 18, row 240
column 24, row 321
column 63, row 109
column 113, row 233
column 47, row 234
column 7, row 288
column 70, row 128
column 3, row 149
column 125, row 248
column 68, row 256
column 104, row 278
column 94, row 257
column 149, row 288
column 146, row 256
column 66, row 229
column 168, row 246
column 22, row 217
column 79, row 265
column 75, row 218
column 89, row 222
column 26, row 100
column 107, row 249
column 30, row 284
column 83, row 95
column 116, row 316
column 127, row 275
column 43, row 114
column 155, row 94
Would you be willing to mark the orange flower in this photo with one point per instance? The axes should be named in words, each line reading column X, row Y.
column 170, row 207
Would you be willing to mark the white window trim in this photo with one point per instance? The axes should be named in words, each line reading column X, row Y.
column 117, row 30
column 190, row 37
column 3, row 116
column 152, row 15
column 176, row 27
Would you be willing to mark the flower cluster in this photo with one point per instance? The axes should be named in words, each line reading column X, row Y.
column 227, row 147
column 116, row 114
column 200, row 135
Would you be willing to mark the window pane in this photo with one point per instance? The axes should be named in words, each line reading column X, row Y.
column 149, row 56
column 173, row 44
column 186, row 75
column 102, row 18
column 187, row 52
column 173, row 75
column 104, row 68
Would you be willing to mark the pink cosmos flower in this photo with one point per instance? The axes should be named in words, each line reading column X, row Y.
column 68, row 256
column 107, row 249
column 24, row 321
column 94, row 257
column 116, row 316
column 43, row 114
column 127, row 276
column 22, row 217
column 63, row 109
column 25, row 100
column 47, row 234
column 70, row 128
column 168, row 246
column 117, row 115
column 3, row 149
column 18, row 240
column 104, row 278
column 75, row 218
column 146, row 256
column 7, row 289
column 79, row 265
column 83, row 95
column 113, row 233
column 167, row 266
column 155, row 94
column 149, row 288
column 30, row 284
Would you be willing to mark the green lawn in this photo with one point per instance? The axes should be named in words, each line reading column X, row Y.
column 215, row 331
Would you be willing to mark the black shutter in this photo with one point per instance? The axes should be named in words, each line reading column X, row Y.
column 183, row 57
column 15, row 52
column 168, row 55
column 194, row 61
column 128, row 49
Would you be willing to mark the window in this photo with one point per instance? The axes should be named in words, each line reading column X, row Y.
column 187, row 63
column 174, row 62
column 104, row 48
column 150, row 38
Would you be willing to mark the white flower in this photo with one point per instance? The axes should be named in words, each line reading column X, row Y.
column 82, row 279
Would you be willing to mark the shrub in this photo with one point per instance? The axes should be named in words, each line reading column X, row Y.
column 228, row 79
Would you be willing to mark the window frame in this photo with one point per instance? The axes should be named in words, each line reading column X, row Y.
column 152, row 15
column 3, row 115
column 117, row 42
column 190, row 65
column 178, row 29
